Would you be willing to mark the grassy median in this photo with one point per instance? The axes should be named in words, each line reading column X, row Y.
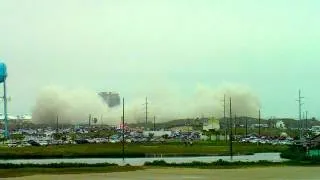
column 131, row 150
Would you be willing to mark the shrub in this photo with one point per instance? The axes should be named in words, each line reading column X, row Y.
column 294, row 153
column 54, row 165
column 219, row 163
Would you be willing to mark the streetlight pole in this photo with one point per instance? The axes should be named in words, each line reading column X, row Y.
column 306, row 120
column 259, row 123
column 5, row 107
column 123, row 129
column 224, row 117
column 154, row 123
column 146, row 112
column 300, row 123
column 231, row 135
column 246, row 126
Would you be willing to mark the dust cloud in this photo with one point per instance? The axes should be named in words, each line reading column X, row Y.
column 74, row 106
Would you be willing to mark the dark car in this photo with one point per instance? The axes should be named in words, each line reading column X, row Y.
column 34, row 143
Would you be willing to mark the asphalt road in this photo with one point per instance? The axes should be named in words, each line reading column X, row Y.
column 270, row 173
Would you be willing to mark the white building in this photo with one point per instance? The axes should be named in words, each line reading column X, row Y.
column 315, row 129
column 280, row 125
column 259, row 125
column 18, row 117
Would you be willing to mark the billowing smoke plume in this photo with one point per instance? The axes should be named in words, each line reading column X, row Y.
column 74, row 106
column 211, row 101
column 70, row 106
column 206, row 102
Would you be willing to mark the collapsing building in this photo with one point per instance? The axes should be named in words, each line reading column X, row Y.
column 211, row 124
column 112, row 99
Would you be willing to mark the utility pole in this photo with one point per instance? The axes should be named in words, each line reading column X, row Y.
column 300, row 104
column 235, row 125
column 123, row 129
column 154, row 123
column 101, row 117
column 57, row 128
column 231, row 135
column 224, row 116
column 146, row 111
column 246, row 126
column 5, row 107
column 89, row 120
column 259, row 123
column 188, row 126
column 306, row 120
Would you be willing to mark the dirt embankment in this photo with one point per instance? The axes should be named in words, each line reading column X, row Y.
column 268, row 173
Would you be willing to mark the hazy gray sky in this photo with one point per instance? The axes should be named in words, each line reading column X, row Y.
column 272, row 46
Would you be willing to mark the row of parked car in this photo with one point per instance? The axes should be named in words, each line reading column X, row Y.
column 39, row 142
column 45, row 142
column 265, row 140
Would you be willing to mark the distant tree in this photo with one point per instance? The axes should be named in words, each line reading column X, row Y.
column 2, row 139
column 150, row 136
column 165, row 136
column 102, row 134
column 197, row 122
column 17, row 136
column 270, row 123
column 73, row 136
column 206, row 133
column 213, row 131
column 95, row 120
column 309, row 134
column 57, row 136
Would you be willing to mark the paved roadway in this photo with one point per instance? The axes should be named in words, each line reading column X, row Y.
column 271, row 173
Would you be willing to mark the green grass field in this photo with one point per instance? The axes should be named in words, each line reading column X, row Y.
column 132, row 150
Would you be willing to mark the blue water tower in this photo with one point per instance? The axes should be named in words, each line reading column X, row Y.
column 3, row 72
column 3, row 77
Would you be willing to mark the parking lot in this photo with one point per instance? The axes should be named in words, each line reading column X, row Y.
column 86, row 135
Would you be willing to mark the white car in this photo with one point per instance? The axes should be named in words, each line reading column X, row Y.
column 25, row 144
column 253, row 140
column 91, row 140
column 12, row 145
column 114, row 140
column 43, row 143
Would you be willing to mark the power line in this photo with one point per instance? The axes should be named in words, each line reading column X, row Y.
column 5, row 107
column 146, row 111
column 224, row 115
column 306, row 120
column 154, row 123
column 246, row 126
column 89, row 120
column 299, row 122
column 123, row 129
column 57, row 130
column 235, row 124
column 259, row 123
column 225, row 121
column 231, row 135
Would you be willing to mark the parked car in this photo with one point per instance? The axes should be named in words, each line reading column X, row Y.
column 34, row 143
